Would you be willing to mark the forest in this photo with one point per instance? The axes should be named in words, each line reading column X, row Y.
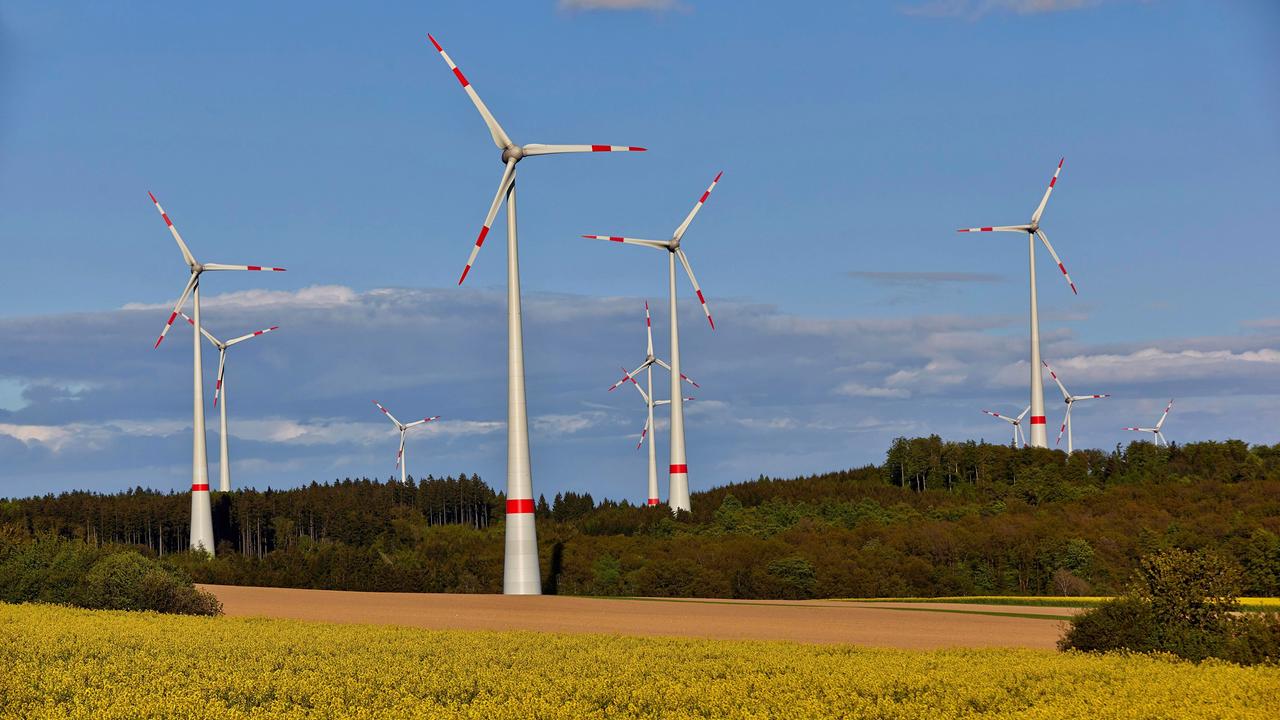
column 936, row 518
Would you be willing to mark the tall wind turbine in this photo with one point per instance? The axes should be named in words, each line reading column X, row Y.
column 647, row 366
column 201, row 511
column 1019, row 438
column 1039, row 434
column 1155, row 431
column 1070, row 400
column 520, row 567
column 401, row 461
column 220, row 389
column 678, row 498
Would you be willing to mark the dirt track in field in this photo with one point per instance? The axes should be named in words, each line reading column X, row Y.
column 912, row 626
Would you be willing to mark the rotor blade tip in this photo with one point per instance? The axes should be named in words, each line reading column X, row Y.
column 153, row 197
column 433, row 42
column 718, row 176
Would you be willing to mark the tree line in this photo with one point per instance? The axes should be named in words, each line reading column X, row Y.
column 935, row 518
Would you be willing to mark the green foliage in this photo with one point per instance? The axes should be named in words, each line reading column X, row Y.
column 54, row 570
column 936, row 519
column 1183, row 603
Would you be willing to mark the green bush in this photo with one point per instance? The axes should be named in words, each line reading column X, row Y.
column 1183, row 603
column 60, row 571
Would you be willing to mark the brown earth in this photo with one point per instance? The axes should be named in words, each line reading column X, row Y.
column 898, row 625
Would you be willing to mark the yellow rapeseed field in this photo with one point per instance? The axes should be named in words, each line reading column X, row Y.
column 66, row 663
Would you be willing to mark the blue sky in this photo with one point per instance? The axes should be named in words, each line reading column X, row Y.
column 855, row 137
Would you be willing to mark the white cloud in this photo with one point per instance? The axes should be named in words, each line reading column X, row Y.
column 856, row 389
column 978, row 8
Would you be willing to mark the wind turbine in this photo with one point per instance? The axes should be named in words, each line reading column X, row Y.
column 224, row 466
column 1070, row 400
column 647, row 366
column 401, row 461
column 678, row 498
column 1159, row 436
column 520, row 566
column 1039, row 434
column 1018, row 435
column 201, row 511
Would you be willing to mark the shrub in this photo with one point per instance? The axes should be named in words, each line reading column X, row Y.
column 1255, row 638
column 1125, row 622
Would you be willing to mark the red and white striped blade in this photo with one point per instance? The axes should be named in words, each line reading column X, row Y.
column 1035, row 217
column 1006, row 418
column 423, row 420
column 1065, row 419
column 1045, row 239
column 648, row 328
column 177, row 307
column 186, row 253
column 662, row 244
column 696, row 288
column 222, row 368
column 252, row 268
column 998, row 228
column 500, row 137
column 203, row 331
column 400, row 452
column 625, row 377
column 684, row 377
column 540, row 149
column 696, row 207
column 643, row 433
column 1054, row 375
column 504, row 185
column 1075, row 398
column 1165, row 415
column 254, row 334
column 387, row 413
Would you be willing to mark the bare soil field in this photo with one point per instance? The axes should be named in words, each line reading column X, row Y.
column 895, row 625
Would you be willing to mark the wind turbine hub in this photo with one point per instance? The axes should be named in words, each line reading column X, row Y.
column 512, row 152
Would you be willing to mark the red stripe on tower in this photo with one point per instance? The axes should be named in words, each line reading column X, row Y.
column 677, row 469
column 200, row 488
column 1037, row 419
column 653, row 501
column 518, row 507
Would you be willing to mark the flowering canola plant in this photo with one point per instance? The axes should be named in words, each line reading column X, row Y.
column 65, row 663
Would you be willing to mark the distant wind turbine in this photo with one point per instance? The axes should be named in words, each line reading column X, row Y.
column 1158, row 436
column 678, row 498
column 1039, row 435
column 220, row 389
column 647, row 366
column 1019, row 439
column 401, row 461
column 1070, row 400
column 201, row 510
column 520, row 567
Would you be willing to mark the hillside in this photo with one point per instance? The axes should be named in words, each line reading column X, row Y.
column 936, row 518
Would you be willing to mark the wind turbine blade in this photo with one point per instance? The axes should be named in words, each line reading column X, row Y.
column 186, row 253
column 222, row 368
column 388, row 414
column 628, row 376
column 504, row 185
column 1005, row 418
column 643, row 433
column 254, row 268
column 661, row 244
column 1045, row 239
column 1077, row 398
column 540, row 149
column 684, row 377
column 420, row 422
column 499, row 135
column 1024, row 412
column 177, row 307
column 242, row 338
column 1035, row 217
column 997, row 228
column 648, row 329
column 696, row 288
column 400, row 452
column 1065, row 395
column 208, row 335
column 1165, row 415
column 696, row 207
column 1065, row 420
